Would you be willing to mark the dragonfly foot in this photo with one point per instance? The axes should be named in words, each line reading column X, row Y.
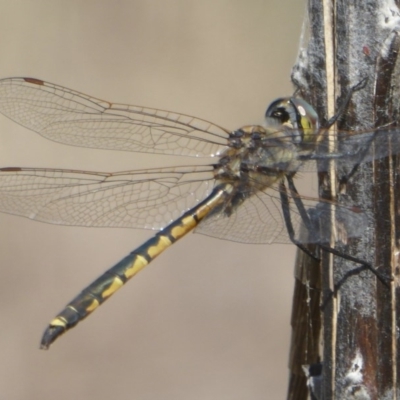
column 383, row 278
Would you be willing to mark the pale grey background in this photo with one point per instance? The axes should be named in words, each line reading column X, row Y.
column 209, row 319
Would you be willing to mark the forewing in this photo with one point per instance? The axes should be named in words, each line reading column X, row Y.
column 352, row 148
column 134, row 199
column 66, row 116
column 367, row 146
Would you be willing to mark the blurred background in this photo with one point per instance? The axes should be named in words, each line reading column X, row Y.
column 209, row 319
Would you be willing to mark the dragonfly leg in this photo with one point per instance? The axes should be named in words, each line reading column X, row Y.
column 358, row 86
column 360, row 155
column 303, row 212
column 338, row 285
column 288, row 222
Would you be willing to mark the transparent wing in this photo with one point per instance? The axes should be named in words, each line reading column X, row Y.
column 352, row 148
column 279, row 152
column 259, row 220
column 134, row 199
column 369, row 145
column 73, row 118
column 152, row 199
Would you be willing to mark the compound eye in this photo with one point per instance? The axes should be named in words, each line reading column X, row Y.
column 306, row 115
column 293, row 111
column 280, row 114
column 283, row 112
column 277, row 109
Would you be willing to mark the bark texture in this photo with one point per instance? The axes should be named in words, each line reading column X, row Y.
column 345, row 42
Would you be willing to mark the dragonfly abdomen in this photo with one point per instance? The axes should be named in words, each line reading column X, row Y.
column 114, row 278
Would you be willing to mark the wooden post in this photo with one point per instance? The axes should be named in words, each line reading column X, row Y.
column 347, row 42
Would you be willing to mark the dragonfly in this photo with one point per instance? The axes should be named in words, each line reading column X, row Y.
column 240, row 195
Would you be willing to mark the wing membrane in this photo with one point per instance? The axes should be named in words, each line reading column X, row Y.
column 259, row 220
column 353, row 148
column 73, row 118
column 152, row 199
column 134, row 199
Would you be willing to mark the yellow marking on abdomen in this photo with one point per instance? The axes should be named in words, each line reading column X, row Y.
column 186, row 226
column 163, row 243
column 58, row 321
column 95, row 303
column 130, row 266
column 139, row 263
column 115, row 285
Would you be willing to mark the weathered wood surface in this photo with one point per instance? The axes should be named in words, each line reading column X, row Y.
column 347, row 42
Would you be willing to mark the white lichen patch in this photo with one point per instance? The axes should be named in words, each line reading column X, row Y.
column 354, row 375
column 354, row 387
column 388, row 15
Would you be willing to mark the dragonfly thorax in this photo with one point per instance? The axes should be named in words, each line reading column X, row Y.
column 268, row 151
column 258, row 158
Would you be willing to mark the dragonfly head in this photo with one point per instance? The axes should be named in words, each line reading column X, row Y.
column 296, row 115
